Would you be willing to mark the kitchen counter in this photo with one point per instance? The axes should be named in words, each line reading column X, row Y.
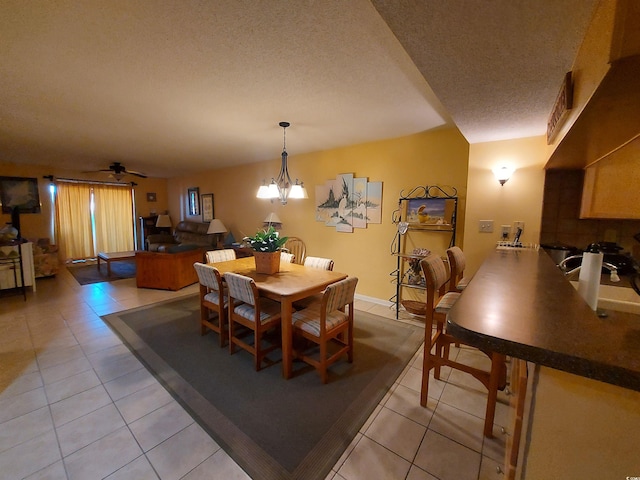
column 520, row 304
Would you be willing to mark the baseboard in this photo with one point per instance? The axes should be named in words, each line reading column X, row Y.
column 377, row 301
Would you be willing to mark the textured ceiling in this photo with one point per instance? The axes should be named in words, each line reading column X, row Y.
column 498, row 67
column 172, row 87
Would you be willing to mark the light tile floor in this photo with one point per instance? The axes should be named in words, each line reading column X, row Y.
column 76, row 404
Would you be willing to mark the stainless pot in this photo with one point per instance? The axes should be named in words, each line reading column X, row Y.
column 559, row 251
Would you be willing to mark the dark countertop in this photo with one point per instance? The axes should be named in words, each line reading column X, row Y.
column 520, row 304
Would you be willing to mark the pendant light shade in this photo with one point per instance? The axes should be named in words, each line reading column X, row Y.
column 283, row 187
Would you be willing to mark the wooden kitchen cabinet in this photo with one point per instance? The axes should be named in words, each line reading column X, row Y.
column 610, row 188
column 582, row 429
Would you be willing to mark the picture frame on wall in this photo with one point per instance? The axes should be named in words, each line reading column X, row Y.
column 151, row 197
column 193, row 201
column 21, row 192
column 207, row 207
column 429, row 212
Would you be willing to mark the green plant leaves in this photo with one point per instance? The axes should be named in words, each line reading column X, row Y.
column 268, row 240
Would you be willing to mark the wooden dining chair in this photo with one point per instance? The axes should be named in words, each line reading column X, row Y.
column 457, row 264
column 319, row 263
column 437, row 343
column 213, row 299
column 297, row 247
column 253, row 312
column 325, row 324
column 287, row 257
column 224, row 255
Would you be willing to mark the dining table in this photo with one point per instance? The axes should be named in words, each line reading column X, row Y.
column 291, row 283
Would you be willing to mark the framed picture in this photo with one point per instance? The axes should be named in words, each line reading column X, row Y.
column 193, row 201
column 151, row 197
column 429, row 212
column 21, row 192
column 207, row 207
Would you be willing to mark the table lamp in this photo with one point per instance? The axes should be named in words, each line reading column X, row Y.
column 164, row 221
column 217, row 227
column 272, row 220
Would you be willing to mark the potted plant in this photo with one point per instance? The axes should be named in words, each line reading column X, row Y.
column 266, row 245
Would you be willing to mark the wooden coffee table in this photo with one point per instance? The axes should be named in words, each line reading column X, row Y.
column 114, row 257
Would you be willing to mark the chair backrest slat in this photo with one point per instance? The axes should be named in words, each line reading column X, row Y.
column 339, row 294
column 208, row 275
column 224, row 255
column 241, row 287
column 457, row 263
column 319, row 262
column 436, row 276
column 297, row 247
column 435, row 271
column 287, row 257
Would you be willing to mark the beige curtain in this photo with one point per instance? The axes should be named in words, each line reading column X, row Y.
column 110, row 228
column 73, row 218
column 113, row 214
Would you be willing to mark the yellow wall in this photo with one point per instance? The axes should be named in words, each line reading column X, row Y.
column 429, row 158
column 520, row 199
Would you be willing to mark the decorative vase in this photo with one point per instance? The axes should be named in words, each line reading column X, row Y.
column 267, row 262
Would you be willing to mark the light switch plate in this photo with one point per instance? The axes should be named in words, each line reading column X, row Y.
column 486, row 226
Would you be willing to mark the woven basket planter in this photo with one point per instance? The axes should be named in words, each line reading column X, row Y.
column 267, row 262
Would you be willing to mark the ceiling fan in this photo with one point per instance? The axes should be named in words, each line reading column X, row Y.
column 118, row 171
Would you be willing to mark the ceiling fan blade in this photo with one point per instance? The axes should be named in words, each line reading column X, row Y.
column 116, row 168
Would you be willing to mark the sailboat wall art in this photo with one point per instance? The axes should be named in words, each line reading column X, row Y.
column 349, row 202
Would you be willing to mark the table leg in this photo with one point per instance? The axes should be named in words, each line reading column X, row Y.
column 287, row 348
column 98, row 263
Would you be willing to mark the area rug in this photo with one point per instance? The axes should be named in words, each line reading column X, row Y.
column 87, row 274
column 272, row 427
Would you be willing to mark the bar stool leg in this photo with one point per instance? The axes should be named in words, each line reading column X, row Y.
column 497, row 367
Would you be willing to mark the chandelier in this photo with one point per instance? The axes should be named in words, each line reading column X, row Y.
column 282, row 187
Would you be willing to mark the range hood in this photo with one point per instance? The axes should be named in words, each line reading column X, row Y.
column 609, row 121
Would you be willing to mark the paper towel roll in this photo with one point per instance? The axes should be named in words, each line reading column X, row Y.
column 589, row 279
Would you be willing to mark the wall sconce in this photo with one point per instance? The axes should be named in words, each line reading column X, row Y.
column 503, row 174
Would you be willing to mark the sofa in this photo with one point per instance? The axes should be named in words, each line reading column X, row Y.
column 167, row 271
column 186, row 236
column 45, row 257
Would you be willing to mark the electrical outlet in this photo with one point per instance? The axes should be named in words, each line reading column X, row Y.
column 486, row 226
column 505, row 231
column 518, row 224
